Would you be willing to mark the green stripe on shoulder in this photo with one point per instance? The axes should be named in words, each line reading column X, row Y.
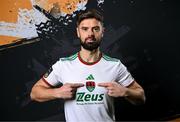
column 70, row 58
column 107, row 58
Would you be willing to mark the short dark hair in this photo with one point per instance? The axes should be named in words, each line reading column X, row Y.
column 91, row 13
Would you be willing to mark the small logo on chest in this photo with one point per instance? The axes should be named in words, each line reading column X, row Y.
column 90, row 84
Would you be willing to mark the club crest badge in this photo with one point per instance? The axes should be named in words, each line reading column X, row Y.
column 90, row 85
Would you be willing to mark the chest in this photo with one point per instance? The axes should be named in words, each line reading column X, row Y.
column 98, row 73
column 90, row 76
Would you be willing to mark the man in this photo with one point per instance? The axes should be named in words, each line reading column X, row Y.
column 90, row 78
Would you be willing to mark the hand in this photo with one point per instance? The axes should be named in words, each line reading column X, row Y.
column 68, row 90
column 114, row 89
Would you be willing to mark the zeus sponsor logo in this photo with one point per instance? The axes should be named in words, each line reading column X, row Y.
column 82, row 97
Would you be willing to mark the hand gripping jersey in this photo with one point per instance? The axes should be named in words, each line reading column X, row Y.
column 91, row 104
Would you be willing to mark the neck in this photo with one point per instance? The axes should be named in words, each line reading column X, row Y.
column 90, row 56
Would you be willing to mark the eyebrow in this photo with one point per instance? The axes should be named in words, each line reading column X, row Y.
column 96, row 27
column 83, row 27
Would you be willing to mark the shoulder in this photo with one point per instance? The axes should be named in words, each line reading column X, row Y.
column 69, row 58
column 110, row 59
column 63, row 62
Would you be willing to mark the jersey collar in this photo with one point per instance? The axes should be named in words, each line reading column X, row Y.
column 89, row 63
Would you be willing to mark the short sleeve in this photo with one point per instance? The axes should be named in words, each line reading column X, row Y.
column 124, row 77
column 53, row 75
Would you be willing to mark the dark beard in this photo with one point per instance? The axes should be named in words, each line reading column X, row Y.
column 91, row 45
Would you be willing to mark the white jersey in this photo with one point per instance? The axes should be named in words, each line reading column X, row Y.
column 92, row 104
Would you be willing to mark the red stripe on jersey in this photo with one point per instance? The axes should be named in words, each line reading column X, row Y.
column 47, row 82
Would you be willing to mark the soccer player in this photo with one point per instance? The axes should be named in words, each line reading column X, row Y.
column 90, row 78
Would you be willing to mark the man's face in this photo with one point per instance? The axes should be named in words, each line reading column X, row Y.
column 90, row 31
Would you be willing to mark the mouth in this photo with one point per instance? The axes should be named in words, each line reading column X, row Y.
column 90, row 40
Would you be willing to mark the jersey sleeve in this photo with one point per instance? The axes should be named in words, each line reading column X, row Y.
column 53, row 75
column 124, row 77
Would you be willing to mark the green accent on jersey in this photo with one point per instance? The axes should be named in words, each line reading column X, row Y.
column 90, row 77
column 107, row 58
column 70, row 58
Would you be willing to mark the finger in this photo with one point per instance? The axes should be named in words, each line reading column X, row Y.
column 109, row 88
column 110, row 93
column 77, row 85
column 74, row 90
column 104, row 84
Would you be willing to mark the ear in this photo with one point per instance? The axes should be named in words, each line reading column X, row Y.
column 77, row 31
column 103, row 29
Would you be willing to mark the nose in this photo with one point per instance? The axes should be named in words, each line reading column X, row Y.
column 90, row 32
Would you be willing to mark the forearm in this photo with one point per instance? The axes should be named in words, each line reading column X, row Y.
column 42, row 94
column 135, row 96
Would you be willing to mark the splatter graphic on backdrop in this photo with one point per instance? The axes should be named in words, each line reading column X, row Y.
column 18, row 19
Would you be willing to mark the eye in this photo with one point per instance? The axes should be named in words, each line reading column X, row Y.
column 84, row 28
column 96, row 29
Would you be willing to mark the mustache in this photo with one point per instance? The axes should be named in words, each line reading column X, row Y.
column 92, row 38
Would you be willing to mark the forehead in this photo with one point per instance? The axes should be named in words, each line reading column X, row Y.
column 90, row 22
